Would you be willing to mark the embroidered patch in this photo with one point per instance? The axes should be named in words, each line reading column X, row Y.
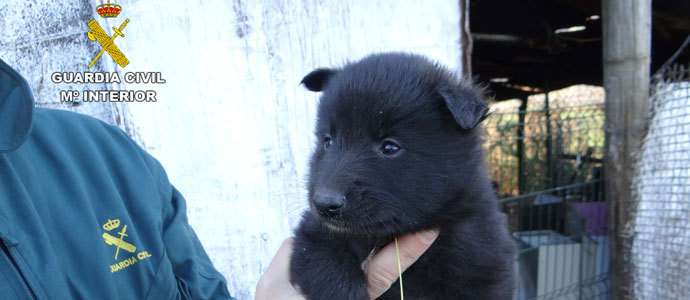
column 120, row 243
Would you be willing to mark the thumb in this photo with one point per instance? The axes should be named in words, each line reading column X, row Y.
column 382, row 270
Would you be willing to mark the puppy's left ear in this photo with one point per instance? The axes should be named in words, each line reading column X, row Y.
column 467, row 107
column 316, row 80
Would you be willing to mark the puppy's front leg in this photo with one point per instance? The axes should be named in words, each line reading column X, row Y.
column 326, row 269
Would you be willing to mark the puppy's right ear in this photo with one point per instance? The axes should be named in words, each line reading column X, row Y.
column 316, row 80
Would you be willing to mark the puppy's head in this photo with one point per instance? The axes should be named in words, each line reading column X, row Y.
column 396, row 145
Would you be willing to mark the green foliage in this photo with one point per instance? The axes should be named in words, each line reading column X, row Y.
column 552, row 141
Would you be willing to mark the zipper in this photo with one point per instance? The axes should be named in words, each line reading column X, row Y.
column 14, row 263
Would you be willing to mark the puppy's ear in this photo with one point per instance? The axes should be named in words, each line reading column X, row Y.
column 316, row 80
column 467, row 107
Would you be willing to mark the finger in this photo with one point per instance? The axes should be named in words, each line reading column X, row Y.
column 274, row 283
column 281, row 261
column 382, row 270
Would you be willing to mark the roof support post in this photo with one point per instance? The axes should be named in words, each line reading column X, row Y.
column 626, row 57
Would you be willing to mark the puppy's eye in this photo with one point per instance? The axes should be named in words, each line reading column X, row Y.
column 389, row 148
column 327, row 141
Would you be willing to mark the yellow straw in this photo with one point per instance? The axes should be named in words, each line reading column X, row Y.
column 399, row 269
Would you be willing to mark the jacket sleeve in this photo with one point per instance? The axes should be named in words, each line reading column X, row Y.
column 196, row 277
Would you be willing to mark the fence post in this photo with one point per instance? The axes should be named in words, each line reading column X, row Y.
column 626, row 31
column 520, row 153
column 551, row 182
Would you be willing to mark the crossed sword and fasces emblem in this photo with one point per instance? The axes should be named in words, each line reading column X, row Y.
column 97, row 33
column 119, row 243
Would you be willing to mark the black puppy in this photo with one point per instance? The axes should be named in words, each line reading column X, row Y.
column 398, row 152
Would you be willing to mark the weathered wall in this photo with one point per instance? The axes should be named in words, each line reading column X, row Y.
column 231, row 125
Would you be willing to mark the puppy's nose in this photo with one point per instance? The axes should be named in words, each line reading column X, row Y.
column 329, row 203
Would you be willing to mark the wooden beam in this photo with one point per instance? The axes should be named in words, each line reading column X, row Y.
column 466, row 38
column 626, row 57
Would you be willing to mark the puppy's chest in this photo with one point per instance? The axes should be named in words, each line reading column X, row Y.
column 422, row 282
column 433, row 276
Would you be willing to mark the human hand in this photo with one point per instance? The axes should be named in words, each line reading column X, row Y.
column 275, row 282
column 380, row 272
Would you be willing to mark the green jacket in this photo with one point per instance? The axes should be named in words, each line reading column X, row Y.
column 85, row 213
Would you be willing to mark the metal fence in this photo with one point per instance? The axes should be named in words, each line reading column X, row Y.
column 545, row 157
column 661, row 190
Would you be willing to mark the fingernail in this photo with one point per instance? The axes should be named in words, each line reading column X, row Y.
column 428, row 236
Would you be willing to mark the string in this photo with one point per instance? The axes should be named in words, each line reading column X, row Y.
column 399, row 269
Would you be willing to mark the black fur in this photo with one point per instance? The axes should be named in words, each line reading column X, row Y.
column 436, row 179
column 317, row 79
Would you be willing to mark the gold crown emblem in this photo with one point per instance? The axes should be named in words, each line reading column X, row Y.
column 111, row 224
column 109, row 10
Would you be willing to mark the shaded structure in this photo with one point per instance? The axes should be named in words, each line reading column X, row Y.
column 527, row 47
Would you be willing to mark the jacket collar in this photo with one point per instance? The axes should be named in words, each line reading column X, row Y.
column 16, row 109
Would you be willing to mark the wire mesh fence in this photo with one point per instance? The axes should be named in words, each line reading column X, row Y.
column 545, row 157
column 661, row 189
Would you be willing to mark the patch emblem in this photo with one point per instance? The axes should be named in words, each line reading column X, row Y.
column 120, row 243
